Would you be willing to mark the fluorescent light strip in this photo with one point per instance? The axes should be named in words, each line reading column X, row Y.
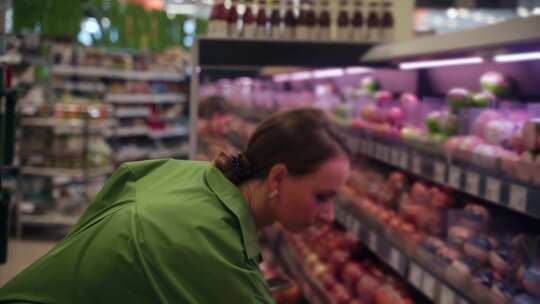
column 281, row 78
column 357, row 70
column 517, row 57
column 438, row 63
column 300, row 76
column 328, row 73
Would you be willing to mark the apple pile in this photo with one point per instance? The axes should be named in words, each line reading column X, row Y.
column 332, row 258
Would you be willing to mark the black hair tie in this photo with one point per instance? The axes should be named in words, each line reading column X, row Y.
column 241, row 167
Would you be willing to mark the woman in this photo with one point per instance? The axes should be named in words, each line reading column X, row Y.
column 170, row 231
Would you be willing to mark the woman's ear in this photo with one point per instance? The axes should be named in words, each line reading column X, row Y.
column 276, row 175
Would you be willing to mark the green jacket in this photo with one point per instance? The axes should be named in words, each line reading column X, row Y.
column 160, row 231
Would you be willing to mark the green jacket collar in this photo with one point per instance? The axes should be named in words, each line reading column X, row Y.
column 233, row 200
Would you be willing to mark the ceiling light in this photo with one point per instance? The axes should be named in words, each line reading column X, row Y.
column 438, row 63
column 517, row 57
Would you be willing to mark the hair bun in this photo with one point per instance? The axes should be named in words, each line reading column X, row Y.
column 236, row 168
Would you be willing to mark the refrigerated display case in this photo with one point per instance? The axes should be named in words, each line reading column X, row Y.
column 444, row 189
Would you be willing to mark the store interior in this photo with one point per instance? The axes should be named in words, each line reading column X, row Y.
column 439, row 100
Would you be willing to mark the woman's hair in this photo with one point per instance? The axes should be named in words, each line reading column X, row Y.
column 300, row 139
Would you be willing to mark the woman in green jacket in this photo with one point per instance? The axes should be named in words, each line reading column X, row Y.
column 172, row 231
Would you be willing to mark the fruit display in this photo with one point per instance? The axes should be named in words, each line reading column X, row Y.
column 461, row 152
column 459, row 236
column 338, row 263
column 495, row 83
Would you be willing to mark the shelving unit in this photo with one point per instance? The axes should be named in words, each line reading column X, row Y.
column 101, row 72
column 133, row 100
column 478, row 182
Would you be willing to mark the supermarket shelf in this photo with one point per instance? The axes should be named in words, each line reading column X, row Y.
column 67, row 126
column 133, row 112
column 256, row 53
column 79, row 173
column 145, row 98
column 517, row 32
column 489, row 186
column 428, row 277
column 88, row 87
column 49, row 219
column 170, row 132
column 166, row 153
column 179, row 152
column 130, row 131
column 87, row 71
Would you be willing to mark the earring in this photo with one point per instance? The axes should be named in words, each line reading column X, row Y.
column 273, row 194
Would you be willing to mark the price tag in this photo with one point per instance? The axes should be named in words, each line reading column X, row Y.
column 518, row 198
column 417, row 165
column 454, row 177
column 428, row 286
column 439, row 171
column 373, row 241
column 473, row 183
column 395, row 157
column 415, row 275
column 355, row 229
column 349, row 222
column 384, row 153
column 395, row 259
column 387, row 154
column 404, row 160
column 364, row 146
column 447, row 296
column 493, row 189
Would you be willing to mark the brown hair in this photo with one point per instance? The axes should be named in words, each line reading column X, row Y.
column 301, row 139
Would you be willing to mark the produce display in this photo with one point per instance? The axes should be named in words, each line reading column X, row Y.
column 458, row 235
column 471, row 126
column 471, row 246
column 341, row 266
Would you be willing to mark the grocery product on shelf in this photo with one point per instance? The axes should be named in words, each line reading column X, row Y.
column 324, row 20
column 358, row 21
column 261, row 20
column 275, row 20
column 218, row 20
column 232, row 20
column 469, row 249
column 340, row 269
column 343, row 21
column 248, row 21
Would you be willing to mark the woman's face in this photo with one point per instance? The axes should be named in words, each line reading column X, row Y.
column 304, row 200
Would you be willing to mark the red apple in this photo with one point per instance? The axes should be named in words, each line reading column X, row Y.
column 338, row 260
column 329, row 281
column 366, row 287
column 351, row 273
column 341, row 295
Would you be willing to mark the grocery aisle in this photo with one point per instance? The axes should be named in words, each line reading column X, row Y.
column 21, row 254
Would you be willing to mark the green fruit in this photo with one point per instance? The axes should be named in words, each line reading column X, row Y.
column 483, row 100
column 432, row 122
column 369, row 84
column 495, row 83
column 458, row 98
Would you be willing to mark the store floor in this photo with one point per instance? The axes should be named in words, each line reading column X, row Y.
column 22, row 253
